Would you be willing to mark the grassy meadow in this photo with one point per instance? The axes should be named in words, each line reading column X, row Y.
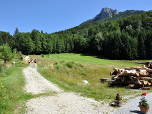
column 87, row 58
column 69, row 70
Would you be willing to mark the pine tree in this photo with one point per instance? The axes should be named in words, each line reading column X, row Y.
column 16, row 32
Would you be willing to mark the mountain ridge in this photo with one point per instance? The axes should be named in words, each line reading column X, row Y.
column 106, row 12
column 113, row 17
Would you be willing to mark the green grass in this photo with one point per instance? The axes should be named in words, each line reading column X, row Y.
column 12, row 97
column 87, row 58
column 12, row 81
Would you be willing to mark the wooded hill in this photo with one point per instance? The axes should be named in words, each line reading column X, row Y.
column 126, row 38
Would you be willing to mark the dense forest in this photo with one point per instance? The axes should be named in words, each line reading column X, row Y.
column 123, row 38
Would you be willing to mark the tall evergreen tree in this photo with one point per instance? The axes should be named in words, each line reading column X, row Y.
column 125, row 46
column 116, row 45
column 141, row 47
column 36, row 39
column 1, row 40
column 148, row 44
column 16, row 32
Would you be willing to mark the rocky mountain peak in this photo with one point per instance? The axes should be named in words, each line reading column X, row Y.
column 106, row 12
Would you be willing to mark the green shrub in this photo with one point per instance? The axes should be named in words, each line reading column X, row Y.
column 57, row 67
column 62, row 62
column 55, row 63
column 42, row 56
column 70, row 64
column 79, row 65
column 73, row 64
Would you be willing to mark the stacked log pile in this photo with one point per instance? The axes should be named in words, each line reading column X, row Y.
column 133, row 77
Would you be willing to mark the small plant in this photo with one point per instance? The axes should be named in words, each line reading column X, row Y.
column 118, row 97
column 70, row 64
column 56, row 63
column 143, row 101
column 62, row 62
column 79, row 65
column 42, row 56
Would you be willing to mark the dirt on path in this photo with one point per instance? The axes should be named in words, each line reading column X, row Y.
column 62, row 102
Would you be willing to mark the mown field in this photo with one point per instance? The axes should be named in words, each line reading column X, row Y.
column 87, row 58
column 68, row 71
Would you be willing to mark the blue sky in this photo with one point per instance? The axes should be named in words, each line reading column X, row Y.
column 56, row 15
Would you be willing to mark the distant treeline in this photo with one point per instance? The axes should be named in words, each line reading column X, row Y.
column 127, row 38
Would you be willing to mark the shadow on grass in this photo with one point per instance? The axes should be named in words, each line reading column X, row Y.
column 103, row 57
column 95, row 56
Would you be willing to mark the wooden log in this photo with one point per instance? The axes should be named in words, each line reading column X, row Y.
column 130, row 86
column 134, row 86
column 113, row 73
column 145, row 88
column 122, row 79
column 131, row 77
column 128, row 82
column 114, row 77
column 105, row 80
column 150, row 75
column 141, row 62
column 118, row 71
column 143, row 73
column 148, row 69
column 129, row 71
column 138, row 82
column 137, row 74
column 149, row 83
column 118, row 78
column 145, row 82
column 134, row 72
column 145, row 78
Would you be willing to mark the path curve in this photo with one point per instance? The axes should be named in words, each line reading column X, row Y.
column 37, row 84
column 63, row 102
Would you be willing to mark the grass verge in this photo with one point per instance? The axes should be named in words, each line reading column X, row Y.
column 11, row 91
column 12, row 96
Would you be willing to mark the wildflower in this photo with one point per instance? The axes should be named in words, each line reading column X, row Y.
column 143, row 94
column 143, row 101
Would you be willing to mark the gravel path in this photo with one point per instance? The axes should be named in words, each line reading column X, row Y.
column 131, row 107
column 37, row 84
column 62, row 103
